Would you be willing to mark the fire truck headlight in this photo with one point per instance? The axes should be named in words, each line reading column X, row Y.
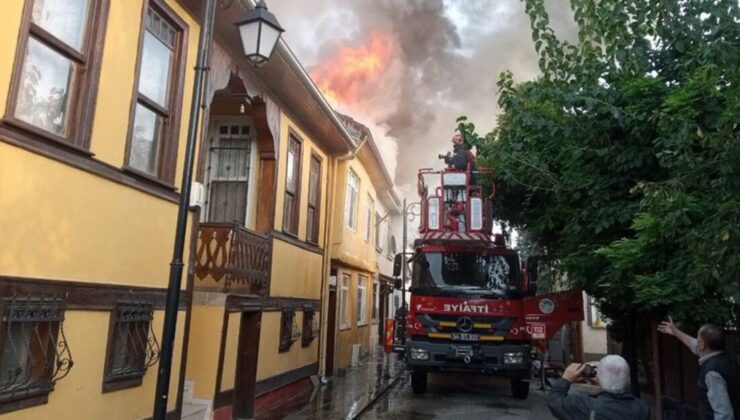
column 418, row 354
column 514, row 358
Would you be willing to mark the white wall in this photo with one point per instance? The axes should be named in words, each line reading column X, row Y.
column 594, row 338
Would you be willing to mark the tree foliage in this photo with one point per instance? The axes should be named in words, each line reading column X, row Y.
column 622, row 161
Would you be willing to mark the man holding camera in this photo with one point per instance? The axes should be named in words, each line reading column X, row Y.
column 614, row 402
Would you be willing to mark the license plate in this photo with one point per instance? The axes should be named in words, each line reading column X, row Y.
column 465, row 337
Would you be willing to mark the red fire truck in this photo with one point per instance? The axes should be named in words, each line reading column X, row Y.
column 473, row 306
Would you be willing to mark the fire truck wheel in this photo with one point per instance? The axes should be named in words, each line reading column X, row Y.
column 519, row 388
column 419, row 382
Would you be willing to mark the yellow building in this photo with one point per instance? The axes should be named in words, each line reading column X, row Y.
column 267, row 165
column 92, row 99
column 363, row 185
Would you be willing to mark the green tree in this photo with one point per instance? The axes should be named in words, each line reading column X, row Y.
column 622, row 161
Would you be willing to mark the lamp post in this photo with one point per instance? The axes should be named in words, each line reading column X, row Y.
column 257, row 21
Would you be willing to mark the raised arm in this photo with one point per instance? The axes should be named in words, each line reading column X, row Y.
column 670, row 328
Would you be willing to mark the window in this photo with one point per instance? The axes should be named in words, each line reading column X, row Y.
column 378, row 232
column 292, row 186
column 289, row 331
column 310, row 326
column 344, row 301
column 361, row 300
column 391, row 246
column 314, row 200
column 57, row 67
column 152, row 143
column 228, row 167
column 132, row 346
column 350, row 200
column 376, row 299
column 34, row 354
column 369, row 212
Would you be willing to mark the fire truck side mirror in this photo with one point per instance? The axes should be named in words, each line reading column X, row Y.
column 397, row 261
column 398, row 284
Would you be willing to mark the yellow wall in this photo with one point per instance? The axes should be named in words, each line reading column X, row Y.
column 271, row 362
column 349, row 246
column 308, row 145
column 295, row 271
column 205, row 340
column 12, row 12
column 79, row 395
column 62, row 223
column 354, row 333
column 230, row 350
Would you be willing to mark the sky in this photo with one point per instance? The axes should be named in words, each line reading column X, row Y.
column 408, row 68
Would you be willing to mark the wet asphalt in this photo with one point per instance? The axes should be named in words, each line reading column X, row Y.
column 381, row 389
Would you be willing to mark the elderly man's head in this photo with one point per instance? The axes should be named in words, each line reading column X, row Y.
column 613, row 374
column 710, row 338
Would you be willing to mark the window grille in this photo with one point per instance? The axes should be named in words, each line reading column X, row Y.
column 289, row 330
column 35, row 354
column 310, row 326
column 132, row 348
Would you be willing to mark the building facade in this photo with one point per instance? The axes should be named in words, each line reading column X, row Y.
column 268, row 160
column 364, row 187
column 92, row 98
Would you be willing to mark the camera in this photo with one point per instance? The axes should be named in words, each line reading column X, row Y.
column 442, row 156
column 589, row 371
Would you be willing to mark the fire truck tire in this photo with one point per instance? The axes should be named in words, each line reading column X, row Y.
column 419, row 382
column 519, row 388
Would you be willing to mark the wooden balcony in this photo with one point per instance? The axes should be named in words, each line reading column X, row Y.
column 232, row 259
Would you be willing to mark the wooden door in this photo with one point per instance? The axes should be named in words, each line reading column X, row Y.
column 331, row 331
column 245, row 378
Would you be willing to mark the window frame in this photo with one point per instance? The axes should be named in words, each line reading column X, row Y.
column 352, row 202
column 369, row 214
column 376, row 301
column 34, row 311
column 378, row 231
column 113, row 382
column 310, row 326
column 169, row 139
column 313, row 237
column 290, row 227
column 81, row 108
column 344, row 282
column 289, row 332
column 214, row 164
column 361, row 300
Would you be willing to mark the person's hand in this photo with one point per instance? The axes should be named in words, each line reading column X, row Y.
column 668, row 327
column 574, row 372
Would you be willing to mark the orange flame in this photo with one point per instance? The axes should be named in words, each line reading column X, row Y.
column 344, row 77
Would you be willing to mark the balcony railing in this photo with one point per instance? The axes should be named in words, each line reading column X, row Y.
column 231, row 258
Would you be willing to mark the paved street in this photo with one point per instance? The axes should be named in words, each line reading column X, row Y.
column 448, row 397
column 455, row 397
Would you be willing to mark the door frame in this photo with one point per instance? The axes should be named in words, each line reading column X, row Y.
column 247, row 356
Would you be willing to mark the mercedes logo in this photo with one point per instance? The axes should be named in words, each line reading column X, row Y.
column 464, row 324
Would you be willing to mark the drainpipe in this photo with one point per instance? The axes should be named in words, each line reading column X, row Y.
column 351, row 155
column 326, row 263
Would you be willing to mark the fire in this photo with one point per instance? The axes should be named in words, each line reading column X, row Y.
column 345, row 77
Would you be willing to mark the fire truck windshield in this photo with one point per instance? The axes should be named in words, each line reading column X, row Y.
column 466, row 272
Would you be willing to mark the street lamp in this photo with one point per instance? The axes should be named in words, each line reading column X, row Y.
column 259, row 31
column 262, row 25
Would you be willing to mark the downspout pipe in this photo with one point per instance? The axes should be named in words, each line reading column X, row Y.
column 169, row 329
column 326, row 266
column 351, row 155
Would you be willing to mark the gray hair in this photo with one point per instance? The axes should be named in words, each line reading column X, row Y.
column 613, row 374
